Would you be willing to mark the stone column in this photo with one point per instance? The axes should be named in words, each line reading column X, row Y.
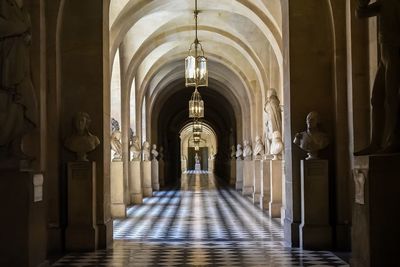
column 146, row 178
column 248, row 177
column 315, row 229
column 258, row 170
column 275, row 203
column 81, row 232
column 265, row 185
column 135, row 182
column 211, row 165
column 239, row 174
column 118, row 207
column 155, row 175
column 375, row 231
column 183, row 165
column 232, row 179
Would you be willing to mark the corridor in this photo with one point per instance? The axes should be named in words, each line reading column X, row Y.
column 198, row 224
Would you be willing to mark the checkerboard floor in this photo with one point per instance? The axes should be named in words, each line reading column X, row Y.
column 200, row 224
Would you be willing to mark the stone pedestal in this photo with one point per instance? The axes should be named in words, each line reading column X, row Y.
column 375, row 230
column 258, row 169
column 81, row 232
column 266, row 185
column 248, row 177
column 135, row 182
column 155, row 175
column 239, row 174
column 275, row 203
column 315, row 229
column 23, row 232
column 232, row 173
column 118, row 207
column 161, row 168
column 146, row 179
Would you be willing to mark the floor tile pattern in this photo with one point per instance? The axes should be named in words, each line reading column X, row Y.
column 201, row 224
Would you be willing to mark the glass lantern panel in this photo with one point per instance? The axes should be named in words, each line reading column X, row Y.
column 190, row 71
column 201, row 71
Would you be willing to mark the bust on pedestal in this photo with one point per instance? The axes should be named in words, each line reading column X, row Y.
column 135, row 173
column 258, row 155
column 154, row 168
column 315, row 228
column 81, row 229
column 232, row 179
column 146, row 170
column 248, row 169
column 239, row 168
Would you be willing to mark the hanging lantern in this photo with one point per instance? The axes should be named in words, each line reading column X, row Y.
column 197, row 127
column 196, row 72
column 196, row 106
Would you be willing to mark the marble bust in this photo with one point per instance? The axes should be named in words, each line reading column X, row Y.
column 313, row 139
column 233, row 152
column 239, row 152
column 81, row 141
column 135, row 148
column 276, row 145
column 116, row 145
column 258, row 151
column 247, row 150
column 154, row 152
column 146, row 151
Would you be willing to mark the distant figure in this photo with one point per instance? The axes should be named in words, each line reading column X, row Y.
column 247, row 151
column 385, row 136
column 18, row 106
column 239, row 152
column 154, row 152
column 135, row 148
column 146, row 151
column 258, row 148
column 197, row 159
column 81, row 141
column 233, row 152
column 312, row 140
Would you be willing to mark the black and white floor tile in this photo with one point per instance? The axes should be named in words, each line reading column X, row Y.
column 199, row 224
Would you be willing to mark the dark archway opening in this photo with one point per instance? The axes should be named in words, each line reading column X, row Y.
column 173, row 116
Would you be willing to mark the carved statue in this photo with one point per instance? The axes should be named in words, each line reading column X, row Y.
column 274, row 117
column 276, row 145
column 146, row 151
column 233, row 152
column 385, row 136
column 258, row 148
column 312, row 140
column 154, row 152
column 135, row 148
column 239, row 152
column 116, row 145
column 247, row 151
column 18, row 106
column 81, row 141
